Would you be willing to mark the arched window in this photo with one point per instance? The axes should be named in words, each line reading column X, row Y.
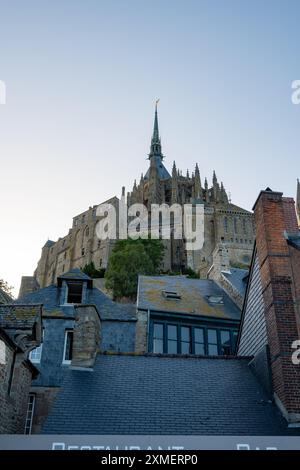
column 244, row 226
column 235, row 225
column 226, row 224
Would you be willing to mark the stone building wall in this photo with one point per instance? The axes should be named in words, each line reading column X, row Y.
column 75, row 250
column 15, row 381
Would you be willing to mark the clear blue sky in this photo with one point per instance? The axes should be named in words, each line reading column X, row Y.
column 82, row 78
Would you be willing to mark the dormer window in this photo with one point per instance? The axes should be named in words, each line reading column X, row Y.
column 172, row 295
column 74, row 292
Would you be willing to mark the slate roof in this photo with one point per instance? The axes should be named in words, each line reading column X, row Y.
column 74, row 274
column 294, row 240
column 49, row 243
column 238, row 278
column 164, row 395
column 195, row 297
column 107, row 308
column 19, row 317
column 161, row 169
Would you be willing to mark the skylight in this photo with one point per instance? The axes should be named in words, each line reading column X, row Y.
column 173, row 295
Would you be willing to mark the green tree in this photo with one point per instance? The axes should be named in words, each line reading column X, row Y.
column 128, row 259
column 90, row 270
column 5, row 287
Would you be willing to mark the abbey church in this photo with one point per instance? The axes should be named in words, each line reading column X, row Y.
column 224, row 222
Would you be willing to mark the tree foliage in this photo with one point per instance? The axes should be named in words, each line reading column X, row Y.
column 90, row 270
column 128, row 259
column 5, row 287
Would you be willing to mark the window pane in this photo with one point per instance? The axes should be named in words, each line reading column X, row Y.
column 225, row 338
column 158, row 331
column 69, row 346
column 212, row 350
column 185, row 340
column 172, row 347
column 212, row 337
column 199, row 337
column 172, row 332
column 185, row 334
column 199, row 348
column 158, row 346
column 185, row 348
column 225, row 342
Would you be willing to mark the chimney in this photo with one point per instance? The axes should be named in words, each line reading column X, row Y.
column 86, row 336
column 274, row 216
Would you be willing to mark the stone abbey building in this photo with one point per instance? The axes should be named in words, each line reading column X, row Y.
column 224, row 222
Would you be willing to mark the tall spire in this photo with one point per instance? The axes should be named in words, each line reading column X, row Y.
column 198, row 189
column 155, row 149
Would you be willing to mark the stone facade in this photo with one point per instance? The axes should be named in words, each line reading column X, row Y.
column 15, row 381
column 20, row 332
column 232, row 280
column 75, row 250
column 223, row 221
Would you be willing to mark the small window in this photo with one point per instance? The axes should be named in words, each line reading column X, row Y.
column 87, row 232
column 74, row 293
column 68, row 347
column 82, row 251
column 29, row 413
column 158, row 338
column 100, row 262
column 99, row 243
column 36, row 354
column 225, row 224
column 172, row 339
column 171, row 295
column 65, row 255
column 235, row 224
column 212, row 343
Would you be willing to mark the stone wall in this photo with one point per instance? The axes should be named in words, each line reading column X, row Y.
column 75, row 250
column 15, row 381
column 141, row 336
column 44, row 398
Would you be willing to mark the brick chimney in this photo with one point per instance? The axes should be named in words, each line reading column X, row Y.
column 274, row 216
column 86, row 336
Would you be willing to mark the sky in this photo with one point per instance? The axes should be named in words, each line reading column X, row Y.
column 81, row 81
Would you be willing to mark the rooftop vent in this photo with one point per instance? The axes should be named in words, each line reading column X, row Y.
column 172, row 295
